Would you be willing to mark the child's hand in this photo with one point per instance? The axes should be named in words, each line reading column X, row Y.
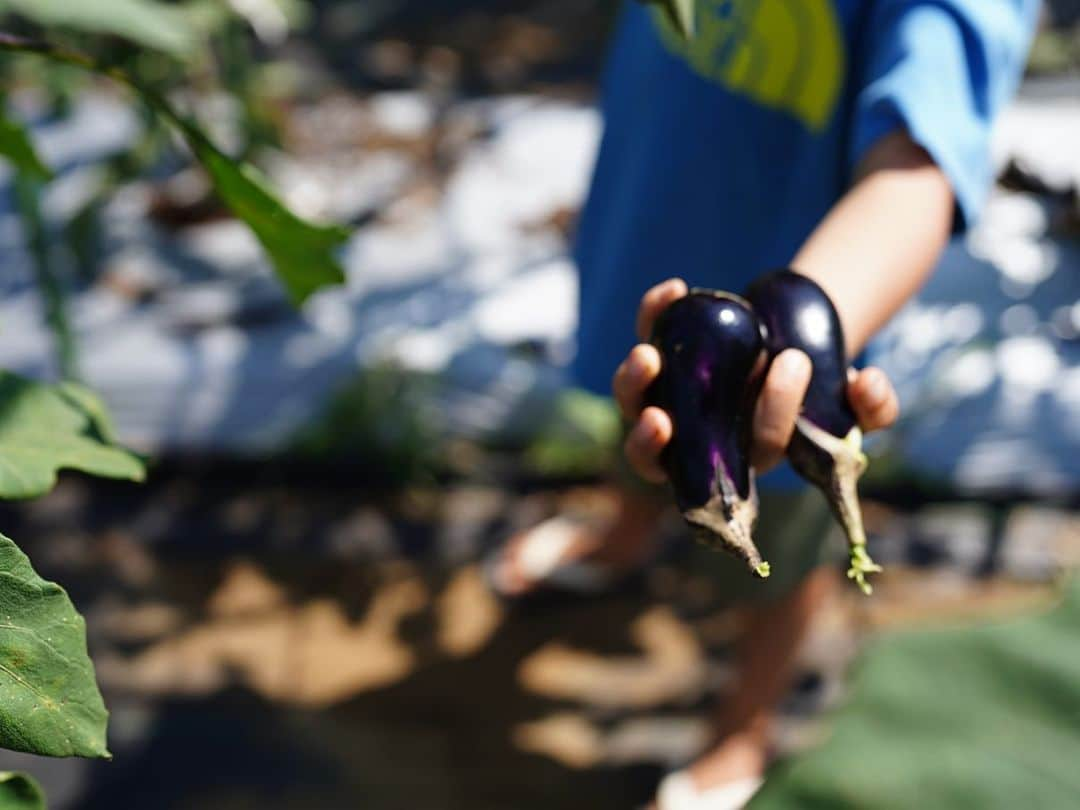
column 870, row 392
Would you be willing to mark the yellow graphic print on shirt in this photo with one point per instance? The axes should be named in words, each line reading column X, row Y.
column 783, row 54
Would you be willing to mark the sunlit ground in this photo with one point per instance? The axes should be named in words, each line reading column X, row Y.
column 264, row 646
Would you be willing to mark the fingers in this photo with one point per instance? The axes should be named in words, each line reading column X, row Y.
column 652, row 427
column 778, row 407
column 873, row 399
column 633, row 376
column 655, row 301
column 645, row 441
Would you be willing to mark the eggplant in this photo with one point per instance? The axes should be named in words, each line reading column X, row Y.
column 713, row 360
column 826, row 447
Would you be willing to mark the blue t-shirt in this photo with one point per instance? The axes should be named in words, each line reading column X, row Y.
column 720, row 155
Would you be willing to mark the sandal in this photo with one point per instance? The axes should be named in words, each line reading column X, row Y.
column 555, row 554
column 541, row 559
column 678, row 792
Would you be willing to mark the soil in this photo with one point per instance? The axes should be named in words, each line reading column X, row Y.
column 303, row 647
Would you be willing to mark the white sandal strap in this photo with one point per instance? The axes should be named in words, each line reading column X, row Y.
column 545, row 546
column 542, row 557
column 678, row 792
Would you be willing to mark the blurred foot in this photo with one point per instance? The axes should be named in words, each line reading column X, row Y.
column 600, row 536
column 730, row 772
column 725, row 778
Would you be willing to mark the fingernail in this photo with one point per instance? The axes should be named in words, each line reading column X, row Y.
column 792, row 365
column 876, row 388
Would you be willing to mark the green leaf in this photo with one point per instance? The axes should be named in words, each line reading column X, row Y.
column 301, row 252
column 983, row 717
column 581, row 437
column 49, row 699
column 151, row 24
column 90, row 404
column 18, row 791
column 16, row 146
column 44, row 429
column 681, row 13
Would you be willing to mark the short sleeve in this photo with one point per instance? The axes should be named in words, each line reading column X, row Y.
column 942, row 69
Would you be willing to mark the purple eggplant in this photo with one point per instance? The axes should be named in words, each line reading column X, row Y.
column 713, row 358
column 826, row 448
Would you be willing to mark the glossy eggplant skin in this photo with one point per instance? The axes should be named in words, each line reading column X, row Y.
column 826, row 447
column 712, row 361
column 797, row 313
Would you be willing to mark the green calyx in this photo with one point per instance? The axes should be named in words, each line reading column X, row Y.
column 861, row 565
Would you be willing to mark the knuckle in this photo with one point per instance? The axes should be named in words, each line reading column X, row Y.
column 889, row 414
column 634, row 453
column 638, row 357
column 645, row 362
column 883, row 416
column 618, row 386
column 628, row 406
column 779, row 385
column 771, row 438
column 768, row 441
column 619, row 377
column 775, row 386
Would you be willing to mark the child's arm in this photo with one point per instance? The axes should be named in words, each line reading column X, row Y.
column 941, row 70
column 870, row 253
column 880, row 242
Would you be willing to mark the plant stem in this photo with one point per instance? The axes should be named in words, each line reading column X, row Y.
column 28, row 202
column 19, row 44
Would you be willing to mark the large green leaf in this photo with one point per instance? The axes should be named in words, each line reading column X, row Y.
column 44, row 429
column 981, row 718
column 49, row 700
column 153, row 24
column 16, row 146
column 20, row 792
column 302, row 253
column 88, row 402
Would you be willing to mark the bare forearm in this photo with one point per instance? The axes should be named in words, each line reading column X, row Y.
column 878, row 244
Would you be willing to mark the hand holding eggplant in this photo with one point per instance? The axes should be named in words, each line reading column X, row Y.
column 782, row 392
column 714, row 361
column 826, row 446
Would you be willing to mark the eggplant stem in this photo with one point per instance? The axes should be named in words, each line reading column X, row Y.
column 839, row 479
column 861, row 565
column 726, row 522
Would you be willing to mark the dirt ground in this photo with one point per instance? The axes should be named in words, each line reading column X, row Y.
column 263, row 644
